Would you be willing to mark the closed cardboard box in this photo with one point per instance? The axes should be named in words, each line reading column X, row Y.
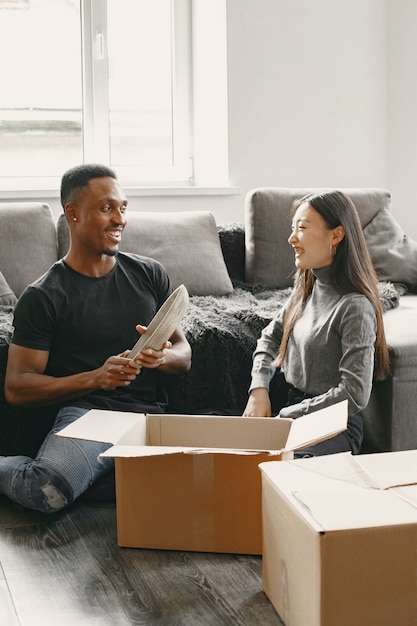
column 340, row 539
column 187, row 482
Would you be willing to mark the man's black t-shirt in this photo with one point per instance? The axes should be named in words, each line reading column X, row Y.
column 81, row 321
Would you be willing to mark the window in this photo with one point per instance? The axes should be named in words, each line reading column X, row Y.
column 108, row 81
column 40, row 74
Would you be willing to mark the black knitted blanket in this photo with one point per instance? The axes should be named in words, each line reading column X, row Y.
column 222, row 331
column 6, row 331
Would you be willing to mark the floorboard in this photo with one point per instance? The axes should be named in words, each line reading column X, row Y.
column 68, row 569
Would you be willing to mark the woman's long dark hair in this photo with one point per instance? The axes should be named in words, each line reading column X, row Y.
column 351, row 270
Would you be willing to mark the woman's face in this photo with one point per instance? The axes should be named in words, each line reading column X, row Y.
column 312, row 241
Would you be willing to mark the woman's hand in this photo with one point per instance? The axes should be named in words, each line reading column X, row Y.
column 259, row 404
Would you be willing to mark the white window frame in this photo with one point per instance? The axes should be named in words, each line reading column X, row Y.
column 201, row 166
column 95, row 96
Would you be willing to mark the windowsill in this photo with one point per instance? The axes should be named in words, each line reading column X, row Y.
column 182, row 191
column 132, row 191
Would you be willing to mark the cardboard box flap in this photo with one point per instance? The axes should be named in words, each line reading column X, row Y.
column 344, row 507
column 183, row 431
column 387, row 470
column 331, row 505
column 215, row 431
column 343, row 467
column 318, row 426
column 375, row 471
column 156, row 434
column 408, row 493
column 108, row 427
column 131, row 451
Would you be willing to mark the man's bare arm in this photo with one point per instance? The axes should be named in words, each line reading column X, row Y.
column 26, row 383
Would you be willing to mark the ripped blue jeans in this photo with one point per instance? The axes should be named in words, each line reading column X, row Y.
column 62, row 470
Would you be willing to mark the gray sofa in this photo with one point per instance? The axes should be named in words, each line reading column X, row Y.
column 237, row 276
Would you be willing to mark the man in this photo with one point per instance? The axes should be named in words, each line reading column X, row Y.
column 73, row 331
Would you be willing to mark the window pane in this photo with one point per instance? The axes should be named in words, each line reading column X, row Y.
column 40, row 78
column 140, row 82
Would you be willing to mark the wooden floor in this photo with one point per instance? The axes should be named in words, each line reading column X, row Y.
column 68, row 569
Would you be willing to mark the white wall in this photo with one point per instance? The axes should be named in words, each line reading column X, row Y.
column 402, row 111
column 319, row 95
column 307, row 92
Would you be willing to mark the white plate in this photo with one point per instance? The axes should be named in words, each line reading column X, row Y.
column 164, row 323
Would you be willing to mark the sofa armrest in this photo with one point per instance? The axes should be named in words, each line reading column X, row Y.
column 390, row 417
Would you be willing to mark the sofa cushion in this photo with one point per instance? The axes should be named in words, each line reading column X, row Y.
column 269, row 258
column 28, row 247
column 7, row 297
column 185, row 242
column 393, row 254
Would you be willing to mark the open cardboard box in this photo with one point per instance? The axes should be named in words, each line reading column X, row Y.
column 188, row 482
column 340, row 539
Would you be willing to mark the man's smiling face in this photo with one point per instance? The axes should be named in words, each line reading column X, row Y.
column 100, row 213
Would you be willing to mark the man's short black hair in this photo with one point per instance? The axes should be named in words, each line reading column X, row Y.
column 78, row 177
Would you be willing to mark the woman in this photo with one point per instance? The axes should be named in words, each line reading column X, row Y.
column 328, row 339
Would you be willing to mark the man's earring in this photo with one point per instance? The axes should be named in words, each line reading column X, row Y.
column 75, row 219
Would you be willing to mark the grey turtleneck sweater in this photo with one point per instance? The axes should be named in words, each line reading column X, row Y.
column 330, row 351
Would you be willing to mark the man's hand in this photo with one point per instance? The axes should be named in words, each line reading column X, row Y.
column 152, row 358
column 117, row 371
